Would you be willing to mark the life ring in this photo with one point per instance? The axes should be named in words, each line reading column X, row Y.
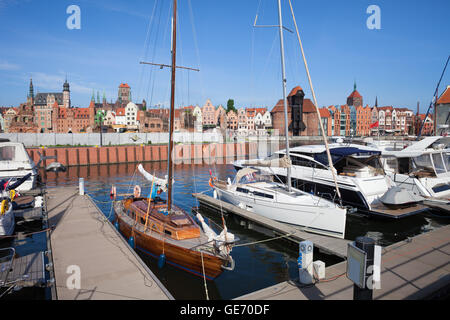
column 137, row 191
column 211, row 181
column 4, row 207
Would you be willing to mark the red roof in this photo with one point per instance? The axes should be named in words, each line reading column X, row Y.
column 82, row 113
column 124, row 85
column 355, row 94
column 308, row 106
column 255, row 111
column 120, row 111
column 324, row 113
column 445, row 96
column 294, row 91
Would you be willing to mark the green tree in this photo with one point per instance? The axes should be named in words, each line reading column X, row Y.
column 230, row 105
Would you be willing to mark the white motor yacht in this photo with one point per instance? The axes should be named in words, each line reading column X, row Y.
column 15, row 163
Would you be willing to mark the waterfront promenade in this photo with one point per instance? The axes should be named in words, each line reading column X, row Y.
column 417, row 268
column 109, row 268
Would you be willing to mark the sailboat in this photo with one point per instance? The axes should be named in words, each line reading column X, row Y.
column 255, row 191
column 161, row 229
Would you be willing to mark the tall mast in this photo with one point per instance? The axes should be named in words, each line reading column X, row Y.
column 286, row 123
column 172, row 105
column 330, row 160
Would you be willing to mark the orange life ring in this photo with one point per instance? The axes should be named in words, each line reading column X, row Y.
column 137, row 191
column 211, row 181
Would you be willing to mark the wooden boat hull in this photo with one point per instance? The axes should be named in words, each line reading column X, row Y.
column 182, row 258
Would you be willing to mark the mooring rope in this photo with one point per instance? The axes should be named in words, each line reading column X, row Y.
column 204, row 277
column 265, row 240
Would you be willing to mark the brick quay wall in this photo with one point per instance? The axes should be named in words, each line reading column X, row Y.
column 218, row 153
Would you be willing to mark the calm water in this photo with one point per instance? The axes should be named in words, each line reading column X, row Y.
column 257, row 266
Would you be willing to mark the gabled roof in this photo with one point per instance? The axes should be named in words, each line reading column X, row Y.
column 124, row 85
column 445, row 96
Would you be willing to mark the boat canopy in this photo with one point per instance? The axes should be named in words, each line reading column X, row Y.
column 338, row 153
column 283, row 162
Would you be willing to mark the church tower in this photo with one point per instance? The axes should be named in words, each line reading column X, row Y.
column 66, row 95
column 30, row 98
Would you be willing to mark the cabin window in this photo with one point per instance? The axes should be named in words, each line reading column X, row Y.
column 440, row 188
column 168, row 232
column 241, row 190
column 264, row 195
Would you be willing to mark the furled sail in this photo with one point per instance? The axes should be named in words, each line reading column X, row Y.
column 162, row 183
column 274, row 163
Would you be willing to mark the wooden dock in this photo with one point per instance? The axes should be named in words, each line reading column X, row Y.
column 325, row 244
column 26, row 271
column 84, row 238
column 417, row 268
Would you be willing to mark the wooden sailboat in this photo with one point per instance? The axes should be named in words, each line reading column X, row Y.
column 162, row 230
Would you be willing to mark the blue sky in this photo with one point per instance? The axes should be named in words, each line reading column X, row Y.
column 400, row 63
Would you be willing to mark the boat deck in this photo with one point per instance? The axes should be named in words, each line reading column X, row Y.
column 397, row 213
column 83, row 237
column 326, row 244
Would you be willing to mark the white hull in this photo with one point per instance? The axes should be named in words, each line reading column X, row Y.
column 14, row 175
column 318, row 216
column 421, row 186
column 356, row 191
column 7, row 222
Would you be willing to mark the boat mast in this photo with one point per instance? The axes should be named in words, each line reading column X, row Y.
column 172, row 105
column 286, row 123
column 330, row 160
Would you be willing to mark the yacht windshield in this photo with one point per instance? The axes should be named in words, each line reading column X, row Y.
column 7, row 153
column 255, row 177
column 438, row 163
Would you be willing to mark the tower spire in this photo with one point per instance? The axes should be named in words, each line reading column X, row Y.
column 376, row 101
column 31, row 91
column 354, row 86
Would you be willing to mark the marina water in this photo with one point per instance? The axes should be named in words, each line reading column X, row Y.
column 257, row 265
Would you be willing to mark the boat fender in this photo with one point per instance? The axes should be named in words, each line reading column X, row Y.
column 113, row 193
column 116, row 225
column 4, row 207
column 137, row 191
column 161, row 260
column 131, row 242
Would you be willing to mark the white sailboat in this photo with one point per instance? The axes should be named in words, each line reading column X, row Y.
column 257, row 192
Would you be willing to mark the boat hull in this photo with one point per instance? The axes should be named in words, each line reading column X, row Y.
column 7, row 222
column 325, row 220
column 180, row 257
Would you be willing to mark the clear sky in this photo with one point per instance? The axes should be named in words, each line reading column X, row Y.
column 400, row 63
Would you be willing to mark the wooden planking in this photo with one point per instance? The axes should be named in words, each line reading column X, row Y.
column 26, row 271
column 110, row 269
column 397, row 213
column 326, row 244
